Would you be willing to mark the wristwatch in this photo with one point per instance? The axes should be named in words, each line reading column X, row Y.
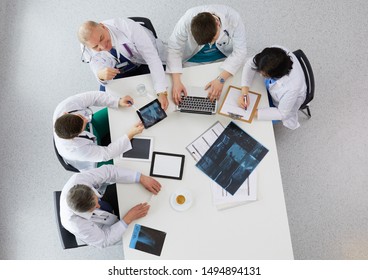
column 221, row 79
column 164, row 93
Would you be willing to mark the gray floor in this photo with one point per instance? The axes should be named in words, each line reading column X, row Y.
column 323, row 163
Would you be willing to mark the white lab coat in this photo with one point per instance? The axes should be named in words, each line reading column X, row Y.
column 182, row 46
column 145, row 47
column 98, row 228
column 288, row 93
column 84, row 153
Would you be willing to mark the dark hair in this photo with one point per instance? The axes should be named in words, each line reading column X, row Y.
column 204, row 28
column 81, row 198
column 274, row 62
column 68, row 126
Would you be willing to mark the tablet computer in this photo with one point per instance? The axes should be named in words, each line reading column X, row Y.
column 151, row 113
column 141, row 149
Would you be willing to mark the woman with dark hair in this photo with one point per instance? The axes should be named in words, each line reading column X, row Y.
column 285, row 83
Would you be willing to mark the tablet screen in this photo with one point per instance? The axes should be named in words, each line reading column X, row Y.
column 141, row 149
column 151, row 113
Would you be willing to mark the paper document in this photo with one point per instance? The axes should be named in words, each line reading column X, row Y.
column 200, row 146
column 230, row 106
column 232, row 158
column 247, row 192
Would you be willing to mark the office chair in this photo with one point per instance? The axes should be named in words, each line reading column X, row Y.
column 309, row 79
column 111, row 197
column 68, row 240
column 66, row 165
column 146, row 23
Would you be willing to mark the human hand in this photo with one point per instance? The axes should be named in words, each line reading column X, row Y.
column 136, row 129
column 214, row 89
column 243, row 99
column 150, row 184
column 107, row 74
column 126, row 101
column 138, row 211
column 178, row 91
column 164, row 101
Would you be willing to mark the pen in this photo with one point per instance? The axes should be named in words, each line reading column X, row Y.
column 149, row 200
column 130, row 102
column 248, row 187
column 246, row 101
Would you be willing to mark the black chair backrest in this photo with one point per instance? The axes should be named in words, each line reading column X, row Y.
column 66, row 166
column 309, row 77
column 146, row 23
column 111, row 197
column 67, row 239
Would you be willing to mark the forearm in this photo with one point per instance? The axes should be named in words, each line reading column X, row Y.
column 269, row 114
column 225, row 75
column 176, row 78
column 248, row 73
column 107, row 235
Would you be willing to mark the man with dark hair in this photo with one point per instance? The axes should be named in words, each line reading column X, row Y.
column 85, row 215
column 204, row 28
column 79, row 134
column 285, row 82
column 68, row 126
column 206, row 34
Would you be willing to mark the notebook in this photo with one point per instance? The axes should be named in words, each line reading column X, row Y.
column 197, row 102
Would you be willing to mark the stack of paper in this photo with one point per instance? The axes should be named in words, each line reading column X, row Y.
column 201, row 145
column 246, row 193
column 232, row 158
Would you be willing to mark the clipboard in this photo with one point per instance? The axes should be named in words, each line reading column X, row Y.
column 230, row 106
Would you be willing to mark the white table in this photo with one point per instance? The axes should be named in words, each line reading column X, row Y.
column 257, row 230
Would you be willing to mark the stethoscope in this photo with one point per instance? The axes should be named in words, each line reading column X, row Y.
column 87, row 113
column 223, row 41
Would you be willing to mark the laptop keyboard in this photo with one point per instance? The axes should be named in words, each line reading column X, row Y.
column 195, row 104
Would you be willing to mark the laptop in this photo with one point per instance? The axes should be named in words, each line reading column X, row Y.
column 197, row 102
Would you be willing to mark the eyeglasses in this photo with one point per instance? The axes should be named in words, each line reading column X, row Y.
column 82, row 56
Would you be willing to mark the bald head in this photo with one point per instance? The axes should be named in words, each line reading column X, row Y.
column 95, row 36
column 85, row 31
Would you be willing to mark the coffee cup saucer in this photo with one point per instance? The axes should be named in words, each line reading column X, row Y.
column 188, row 200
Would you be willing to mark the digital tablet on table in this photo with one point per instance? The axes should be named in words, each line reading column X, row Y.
column 151, row 113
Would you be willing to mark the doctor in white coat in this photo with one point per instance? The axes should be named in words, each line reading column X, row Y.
column 206, row 34
column 284, row 80
column 80, row 206
column 121, row 47
column 78, row 146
